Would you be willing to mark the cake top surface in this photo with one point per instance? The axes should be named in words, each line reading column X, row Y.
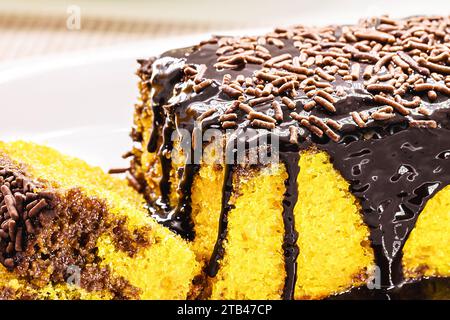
column 320, row 82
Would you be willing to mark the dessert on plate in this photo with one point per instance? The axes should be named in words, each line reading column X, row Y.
column 306, row 163
column 354, row 123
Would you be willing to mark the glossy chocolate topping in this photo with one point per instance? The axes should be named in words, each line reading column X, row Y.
column 374, row 96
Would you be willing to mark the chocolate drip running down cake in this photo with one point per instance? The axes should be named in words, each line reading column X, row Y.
column 360, row 192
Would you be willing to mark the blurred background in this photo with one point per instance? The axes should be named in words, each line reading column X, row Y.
column 40, row 27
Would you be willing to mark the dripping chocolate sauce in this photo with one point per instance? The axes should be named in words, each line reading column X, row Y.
column 219, row 250
column 424, row 289
column 393, row 173
column 290, row 248
column 393, row 177
column 176, row 219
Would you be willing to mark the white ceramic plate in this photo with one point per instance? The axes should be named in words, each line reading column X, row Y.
column 81, row 104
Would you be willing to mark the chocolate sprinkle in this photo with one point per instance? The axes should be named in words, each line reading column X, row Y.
column 21, row 216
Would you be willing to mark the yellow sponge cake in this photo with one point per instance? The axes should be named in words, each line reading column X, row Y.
column 70, row 231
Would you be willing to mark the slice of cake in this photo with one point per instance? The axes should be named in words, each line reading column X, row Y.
column 354, row 123
column 70, row 231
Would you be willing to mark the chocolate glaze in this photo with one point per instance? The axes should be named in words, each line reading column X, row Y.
column 219, row 250
column 393, row 177
column 166, row 75
column 227, row 191
column 392, row 169
column 290, row 160
column 423, row 289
